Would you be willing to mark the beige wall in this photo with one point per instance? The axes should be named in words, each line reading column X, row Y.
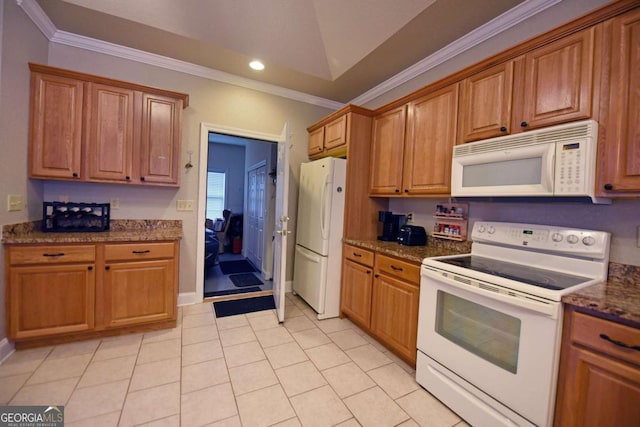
column 21, row 43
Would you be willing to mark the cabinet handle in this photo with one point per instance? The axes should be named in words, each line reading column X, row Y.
column 397, row 191
column 141, row 252
column 128, row 178
column 90, row 268
column 75, row 175
column 503, row 129
column 356, row 254
column 106, row 267
column 406, row 191
column 608, row 187
column 620, row 343
column 142, row 178
column 368, row 271
column 524, row 124
column 54, row 255
column 394, row 268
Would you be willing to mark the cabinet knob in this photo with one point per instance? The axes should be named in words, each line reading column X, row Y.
column 503, row 129
column 368, row 271
column 406, row 191
column 397, row 191
column 90, row 268
column 142, row 178
column 376, row 275
column 608, row 187
column 75, row 175
column 106, row 267
column 128, row 178
column 524, row 124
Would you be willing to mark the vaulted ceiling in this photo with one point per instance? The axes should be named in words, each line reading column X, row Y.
column 331, row 49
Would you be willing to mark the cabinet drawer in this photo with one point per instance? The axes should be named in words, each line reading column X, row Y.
column 359, row 255
column 401, row 269
column 590, row 331
column 137, row 251
column 51, row 254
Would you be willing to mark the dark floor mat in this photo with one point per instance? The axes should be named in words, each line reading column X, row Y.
column 241, row 306
column 245, row 279
column 233, row 267
column 231, row 292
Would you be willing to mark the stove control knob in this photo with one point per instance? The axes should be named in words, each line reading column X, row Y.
column 589, row 241
column 481, row 229
column 572, row 238
column 492, row 229
column 556, row 237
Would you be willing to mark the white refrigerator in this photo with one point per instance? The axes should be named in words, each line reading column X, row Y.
column 318, row 258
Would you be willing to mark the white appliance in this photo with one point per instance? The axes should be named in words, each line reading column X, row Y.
column 558, row 161
column 318, row 258
column 490, row 322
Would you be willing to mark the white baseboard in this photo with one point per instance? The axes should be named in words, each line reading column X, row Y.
column 6, row 349
column 188, row 298
column 288, row 286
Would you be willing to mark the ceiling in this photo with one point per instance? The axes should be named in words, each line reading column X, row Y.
column 332, row 49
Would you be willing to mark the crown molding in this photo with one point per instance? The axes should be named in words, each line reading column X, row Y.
column 496, row 26
column 42, row 21
column 501, row 23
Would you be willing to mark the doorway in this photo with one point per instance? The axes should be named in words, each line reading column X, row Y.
column 242, row 233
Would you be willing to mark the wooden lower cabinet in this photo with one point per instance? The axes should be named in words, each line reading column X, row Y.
column 58, row 293
column 381, row 295
column 599, row 382
column 138, row 292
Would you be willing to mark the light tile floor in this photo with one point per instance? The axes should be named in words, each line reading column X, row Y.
column 244, row 370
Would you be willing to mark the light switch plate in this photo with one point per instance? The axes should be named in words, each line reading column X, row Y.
column 14, row 202
column 185, row 205
column 115, row 203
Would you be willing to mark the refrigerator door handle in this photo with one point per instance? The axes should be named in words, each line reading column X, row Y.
column 307, row 255
column 324, row 207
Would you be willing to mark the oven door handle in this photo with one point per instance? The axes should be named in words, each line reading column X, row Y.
column 467, row 284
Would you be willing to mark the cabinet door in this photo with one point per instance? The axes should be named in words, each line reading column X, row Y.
column 335, row 133
column 387, row 148
column 109, row 139
column 50, row 300
column 160, row 138
column 598, row 391
column 56, row 126
column 356, row 292
column 558, row 82
column 394, row 315
column 316, row 142
column 138, row 292
column 485, row 104
column 431, row 135
column 622, row 145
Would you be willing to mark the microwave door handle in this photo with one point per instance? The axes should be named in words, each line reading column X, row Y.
column 530, row 304
column 550, row 169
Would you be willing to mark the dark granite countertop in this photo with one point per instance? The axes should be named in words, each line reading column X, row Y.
column 120, row 231
column 617, row 299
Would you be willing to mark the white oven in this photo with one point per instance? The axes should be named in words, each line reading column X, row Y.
column 490, row 322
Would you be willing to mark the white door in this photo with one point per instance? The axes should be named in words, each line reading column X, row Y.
column 255, row 215
column 281, row 223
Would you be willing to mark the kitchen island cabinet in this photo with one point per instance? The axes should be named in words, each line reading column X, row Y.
column 94, row 129
column 599, row 381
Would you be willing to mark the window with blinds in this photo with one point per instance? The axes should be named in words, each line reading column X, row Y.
column 215, row 194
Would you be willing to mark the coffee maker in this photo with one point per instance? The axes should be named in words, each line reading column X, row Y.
column 390, row 225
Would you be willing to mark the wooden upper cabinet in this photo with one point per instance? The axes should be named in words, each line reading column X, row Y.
column 56, row 126
column 335, row 133
column 620, row 173
column 160, row 139
column 485, row 103
column 95, row 129
column 330, row 139
column 558, row 82
column 109, row 118
column 431, row 135
column 316, row 142
column 387, row 150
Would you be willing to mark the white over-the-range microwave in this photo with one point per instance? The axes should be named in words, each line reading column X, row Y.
column 558, row 161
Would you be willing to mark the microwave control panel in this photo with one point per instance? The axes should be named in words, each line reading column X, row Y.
column 572, row 168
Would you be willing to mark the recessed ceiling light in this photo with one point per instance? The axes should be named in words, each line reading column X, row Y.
column 256, row 65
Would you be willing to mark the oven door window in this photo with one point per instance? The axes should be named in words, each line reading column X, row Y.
column 487, row 333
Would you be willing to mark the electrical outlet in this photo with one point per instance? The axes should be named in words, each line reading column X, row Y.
column 14, row 202
column 410, row 217
column 185, row 205
column 63, row 198
column 115, row 203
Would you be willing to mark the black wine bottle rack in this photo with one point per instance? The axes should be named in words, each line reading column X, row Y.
column 75, row 217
